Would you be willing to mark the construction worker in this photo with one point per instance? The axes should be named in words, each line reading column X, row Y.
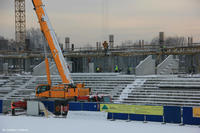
column 163, row 48
column 116, row 68
column 105, row 45
column 129, row 70
column 97, row 69
column 12, row 108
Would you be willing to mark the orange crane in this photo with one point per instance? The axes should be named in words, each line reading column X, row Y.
column 66, row 90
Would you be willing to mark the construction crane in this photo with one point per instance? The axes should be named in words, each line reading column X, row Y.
column 67, row 89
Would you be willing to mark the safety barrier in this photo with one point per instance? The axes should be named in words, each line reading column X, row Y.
column 6, row 105
column 165, row 114
column 91, row 107
column 73, row 106
column 171, row 114
column 191, row 115
column 154, row 118
column 1, row 106
column 77, row 106
column 50, row 105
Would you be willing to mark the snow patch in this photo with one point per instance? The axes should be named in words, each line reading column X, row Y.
column 130, row 87
column 86, row 122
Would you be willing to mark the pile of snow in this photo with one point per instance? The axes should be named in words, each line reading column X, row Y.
column 86, row 122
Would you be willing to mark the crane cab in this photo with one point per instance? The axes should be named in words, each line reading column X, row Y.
column 42, row 88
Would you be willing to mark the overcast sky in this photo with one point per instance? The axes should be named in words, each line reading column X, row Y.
column 81, row 20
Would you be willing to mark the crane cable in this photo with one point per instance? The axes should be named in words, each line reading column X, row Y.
column 105, row 20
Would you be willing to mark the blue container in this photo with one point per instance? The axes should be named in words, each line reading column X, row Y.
column 75, row 106
column 50, row 105
column 91, row 106
column 188, row 117
column 154, row 118
column 120, row 116
column 1, row 106
column 136, row 117
column 172, row 114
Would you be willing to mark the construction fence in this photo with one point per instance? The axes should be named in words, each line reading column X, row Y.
column 164, row 114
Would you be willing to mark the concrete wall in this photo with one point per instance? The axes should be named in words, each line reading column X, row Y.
column 40, row 69
column 124, row 62
column 82, row 64
column 146, row 67
column 169, row 66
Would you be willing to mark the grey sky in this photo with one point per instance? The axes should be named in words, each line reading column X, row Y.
column 127, row 19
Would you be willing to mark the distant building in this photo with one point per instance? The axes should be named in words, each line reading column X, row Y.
column 3, row 44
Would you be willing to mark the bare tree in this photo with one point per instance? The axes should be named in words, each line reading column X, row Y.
column 171, row 41
column 176, row 41
column 37, row 39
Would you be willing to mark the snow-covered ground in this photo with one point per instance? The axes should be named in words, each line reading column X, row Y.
column 86, row 122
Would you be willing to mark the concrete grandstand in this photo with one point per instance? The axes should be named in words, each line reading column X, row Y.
column 130, row 89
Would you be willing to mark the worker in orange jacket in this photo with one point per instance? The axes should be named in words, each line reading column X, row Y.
column 12, row 108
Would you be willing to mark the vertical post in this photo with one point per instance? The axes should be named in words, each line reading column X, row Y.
column 72, row 47
column 145, row 119
column 97, row 46
column 128, row 118
column 142, row 43
column 181, row 124
column 112, row 117
column 163, row 119
column 161, row 39
column 27, row 64
column 189, row 41
column 161, row 43
column 111, row 41
column 67, row 44
column 27, row 45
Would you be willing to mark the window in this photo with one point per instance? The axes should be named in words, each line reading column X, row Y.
column 41, row 89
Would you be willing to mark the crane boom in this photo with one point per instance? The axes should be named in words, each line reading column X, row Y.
column 50, row 36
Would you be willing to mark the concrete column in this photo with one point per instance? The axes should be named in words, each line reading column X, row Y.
column 27, row 63
column 66, row 46
column 85, row 64
column 97, row 45
column 161, row 39
column 1, row 64
column 111, row 41
column 5, row 68
column 140, row 43
column 91, row 67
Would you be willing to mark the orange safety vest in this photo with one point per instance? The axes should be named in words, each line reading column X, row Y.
column 12, row 107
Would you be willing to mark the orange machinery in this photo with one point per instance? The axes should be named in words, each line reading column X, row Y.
column 66, row 90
